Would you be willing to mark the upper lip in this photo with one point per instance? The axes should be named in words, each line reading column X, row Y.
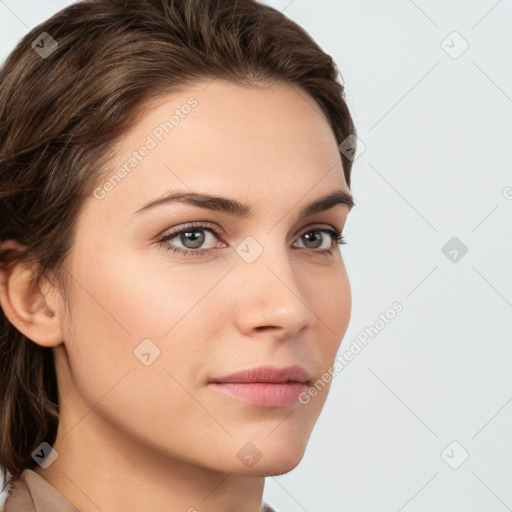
column 271, row 374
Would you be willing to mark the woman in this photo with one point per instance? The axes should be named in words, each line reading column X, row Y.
column 172, row 205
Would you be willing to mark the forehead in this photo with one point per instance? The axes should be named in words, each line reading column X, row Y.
column 269, row 144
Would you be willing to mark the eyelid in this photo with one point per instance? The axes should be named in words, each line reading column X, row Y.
column 318, row 226
column 193, row 225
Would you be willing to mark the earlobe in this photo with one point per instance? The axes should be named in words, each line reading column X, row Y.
column 28, row 307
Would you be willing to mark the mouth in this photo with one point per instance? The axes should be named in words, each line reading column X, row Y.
column 265, row 386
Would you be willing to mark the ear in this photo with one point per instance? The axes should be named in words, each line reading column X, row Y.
column 29, row 307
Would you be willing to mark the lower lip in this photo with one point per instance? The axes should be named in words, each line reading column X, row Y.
column 264, row 394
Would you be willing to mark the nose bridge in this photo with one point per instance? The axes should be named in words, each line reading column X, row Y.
column 269, row 256
column 273, row 295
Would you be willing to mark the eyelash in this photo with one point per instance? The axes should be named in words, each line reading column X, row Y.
column 337, row 238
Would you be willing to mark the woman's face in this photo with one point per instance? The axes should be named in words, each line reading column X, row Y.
column 151, row 328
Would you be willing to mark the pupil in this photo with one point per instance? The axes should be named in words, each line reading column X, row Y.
column 316, row 236
column 196, row 242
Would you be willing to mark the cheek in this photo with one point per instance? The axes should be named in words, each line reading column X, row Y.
column 331, row 300
column 122, row 303
column 107, row 324
column 151, row 295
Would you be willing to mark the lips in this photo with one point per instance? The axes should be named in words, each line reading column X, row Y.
column 269, row 374
column 265, row 386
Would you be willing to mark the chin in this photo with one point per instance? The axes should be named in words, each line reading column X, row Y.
column 275, row 466
column 280, row 467
column 278, row 458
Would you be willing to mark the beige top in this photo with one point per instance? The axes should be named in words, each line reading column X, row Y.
column 32, row 493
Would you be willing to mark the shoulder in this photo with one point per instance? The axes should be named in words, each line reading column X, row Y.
column 30, row 493
column 3, row 493
column 15, row 489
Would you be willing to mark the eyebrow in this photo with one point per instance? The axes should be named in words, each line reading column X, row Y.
column 238, row 209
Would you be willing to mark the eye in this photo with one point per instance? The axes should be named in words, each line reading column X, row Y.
column 314, row 239
column 194, row 235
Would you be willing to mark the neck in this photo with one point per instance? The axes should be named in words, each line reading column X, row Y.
column 99, row 467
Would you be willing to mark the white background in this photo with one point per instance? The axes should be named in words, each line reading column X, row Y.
column 436, row 127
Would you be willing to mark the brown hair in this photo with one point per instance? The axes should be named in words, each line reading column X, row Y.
column 61, row 114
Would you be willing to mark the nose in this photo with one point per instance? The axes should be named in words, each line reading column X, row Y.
column 273, row 296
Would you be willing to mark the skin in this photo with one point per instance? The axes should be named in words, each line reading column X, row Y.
column 129, row 431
